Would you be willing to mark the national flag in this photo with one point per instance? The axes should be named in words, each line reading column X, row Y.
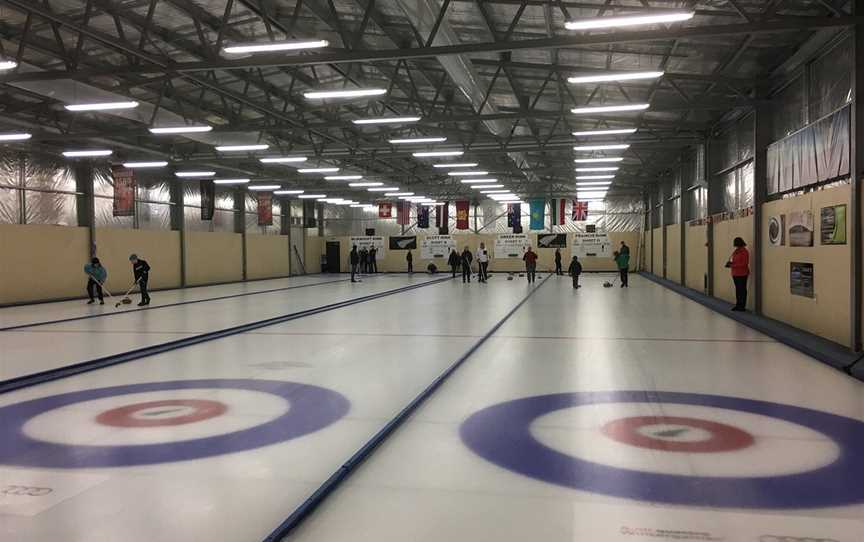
column 422, row 216
column 385, row 210
column 462, row 215
column 557, row 209
column 580, row 211
column 538, row 214
column 403, row 213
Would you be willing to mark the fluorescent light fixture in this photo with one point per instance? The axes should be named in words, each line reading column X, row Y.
column 598, row 160
column 240, row 148
column 629, row 20
column 263, row 187
column 466, row 173
column 617, row 147
column 191, row 174
column 467, row 164
column 594, row 183
column 492, row 191
column 430, row 154
column 510, row 201
column 282, row 159
column 144, row 164
column 230, row 181
column 82, row 154
column 358, row 205
column 104, row 106
column 276, row 46
column 7, row 64
column 347, row 202
column 612, row 77
column 586, row 177
column 355, row 93
column 343, row 177
column 417, row 140
column 318, row 170
column 432, row 203
column 386, row 120
column 312, row 196
column 608, row 108
column 411, row 198
column 502, row 195
column 482, row 186
column 587, row 169
column 363, row 185
column 591, row 193
column 399, row 194
column 161, row 130
column 15, row 136
column 616, row 131
column 477, row 181
column 383, row 189
column 287, row 192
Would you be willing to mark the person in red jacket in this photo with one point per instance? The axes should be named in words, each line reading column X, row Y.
column 739, row 264
column 530, row 258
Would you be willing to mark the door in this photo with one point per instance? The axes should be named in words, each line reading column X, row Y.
column 333, row 263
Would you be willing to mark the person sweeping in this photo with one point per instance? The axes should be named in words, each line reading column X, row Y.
column 97, row 275
column 141, row 271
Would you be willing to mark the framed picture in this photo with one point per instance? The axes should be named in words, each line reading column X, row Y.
column 801, row 229
column 832, row 225
column 801, row 279
column 777, row 230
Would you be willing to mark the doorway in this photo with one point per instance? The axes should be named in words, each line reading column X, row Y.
column 333, row 263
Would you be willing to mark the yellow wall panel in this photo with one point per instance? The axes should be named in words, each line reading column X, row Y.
column 673, row 252
column 657, row 250
column 213, row 257
column 696, row 238
column 161, row 249
column 267, row 256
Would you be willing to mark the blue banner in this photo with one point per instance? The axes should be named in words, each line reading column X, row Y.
column 538, row 214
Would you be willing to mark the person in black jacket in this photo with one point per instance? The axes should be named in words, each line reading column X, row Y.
column 558, row 270
column 373, row 260
column 141, row 271
column 354, row 259
column 466, row 260
column 410, row 259
column 575, row 270
column 364, row 260
column 453, row 261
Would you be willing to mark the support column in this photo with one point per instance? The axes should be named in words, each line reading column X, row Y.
column 285, row 227
column 682, row 232
column 240, row 223
column 857, row 169
column 761, row 140
column 651, row 198
column 85, row 202
column 709, row 229
column 22, row 198
column 178, row 224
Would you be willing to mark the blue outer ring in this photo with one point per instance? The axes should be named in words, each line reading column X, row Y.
column 501, row 434
column 312, row 408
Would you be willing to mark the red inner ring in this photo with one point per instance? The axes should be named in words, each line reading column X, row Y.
column 724, row 438
column 124, row 416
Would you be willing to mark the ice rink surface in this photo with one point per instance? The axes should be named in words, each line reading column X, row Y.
column 592, row 415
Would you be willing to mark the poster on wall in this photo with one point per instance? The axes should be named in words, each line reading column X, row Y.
column 406, row 242
column 801, row 279
column 436, row 246
column 367, row 242
column 592, row 245
column 124, row 191
column 510, row 245
column 801, row 229
column 832, row 225
column 777, row 230
column 553, row 240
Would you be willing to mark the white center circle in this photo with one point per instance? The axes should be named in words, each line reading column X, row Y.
column 779, row 447
column 76, row 424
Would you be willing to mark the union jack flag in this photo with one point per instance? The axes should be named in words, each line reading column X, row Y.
column 580, row 211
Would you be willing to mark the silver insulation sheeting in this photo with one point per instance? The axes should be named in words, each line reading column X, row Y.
column 36, row 190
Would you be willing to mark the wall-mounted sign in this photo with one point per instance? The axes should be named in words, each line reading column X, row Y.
column 801, row 279
column 832, row 225
column 403, row 243
column 554, row 240
column 592, row 245
column 801, row 229
column 436, row 246
column 511, row 245
column 777, row 230
column 368, row 241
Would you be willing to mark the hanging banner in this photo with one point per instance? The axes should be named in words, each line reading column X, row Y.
column 557, row 209
column 403, row 213
column 777, row 231
column 385, row 210
column 208, row 199
column 309, row 214
column 554, row 240
column 422, row 216
column 832, row 226
column 580, row 211
column 801, row 229
column 442, row 218
column 124, row 191
column 461, row 215
column 436, row 246
column 265, row 209
column 538, row 214
column 405, row 242
column 510, row 245
column 367, row 242
column 592, row 245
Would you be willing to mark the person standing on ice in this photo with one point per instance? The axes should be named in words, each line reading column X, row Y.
column 575, row 270
column 482, row 263
column 364, row 260
column 141, row 272
column 558, row 270
column 354, row 260
column 466, row 260
column 410, row 259
column 373, row 259
column 530, row 258
column 97, row 275
column 453, row 261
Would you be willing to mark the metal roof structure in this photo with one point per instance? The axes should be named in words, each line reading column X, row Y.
column 490, row 76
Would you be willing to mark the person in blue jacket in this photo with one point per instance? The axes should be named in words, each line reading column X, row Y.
column 96, row 277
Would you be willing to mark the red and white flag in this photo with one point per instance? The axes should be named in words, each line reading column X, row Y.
column 580, row 211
